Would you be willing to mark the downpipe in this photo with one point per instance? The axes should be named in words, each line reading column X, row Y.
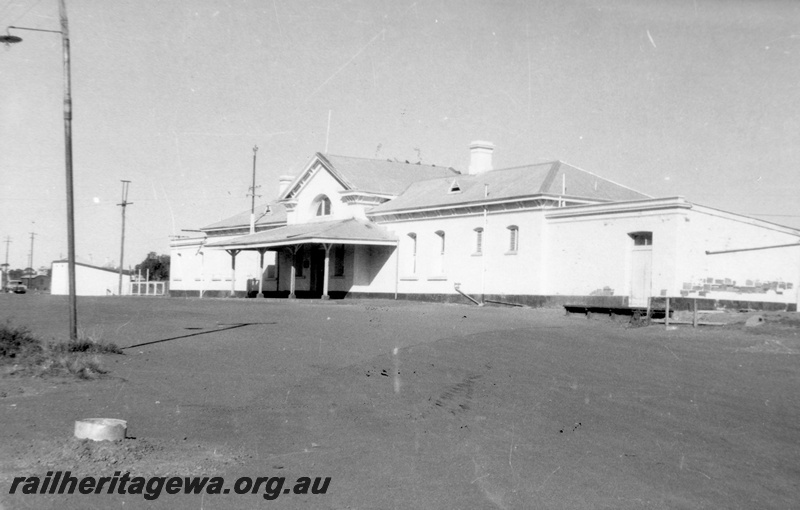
column 457, row 286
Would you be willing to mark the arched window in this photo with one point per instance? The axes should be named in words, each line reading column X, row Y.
column 440, row 234
column 323, row 206
column 412, row 255
column 513, row 238
column 478, row 241
column 641, row 238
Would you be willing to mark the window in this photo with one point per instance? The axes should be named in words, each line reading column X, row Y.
column 440, row 234
column 478, row 241
column 513, row 238
column 338, row 260
column 323, row 206
column 641, row 238
column 413, row 252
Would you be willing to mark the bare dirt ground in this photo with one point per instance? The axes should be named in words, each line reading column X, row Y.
column 414, row 405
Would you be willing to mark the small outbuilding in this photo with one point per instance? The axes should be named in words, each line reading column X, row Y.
column 89, row 280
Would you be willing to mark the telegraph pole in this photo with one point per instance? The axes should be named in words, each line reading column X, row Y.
column 125, row 203
column 253, row 195
column 13, row 39
column 30, row 260
column 5, row 266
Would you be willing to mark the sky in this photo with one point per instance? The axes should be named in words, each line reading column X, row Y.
column 697, row 98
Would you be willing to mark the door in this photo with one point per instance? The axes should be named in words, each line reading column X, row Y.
column 641, row 268
column 317, row 272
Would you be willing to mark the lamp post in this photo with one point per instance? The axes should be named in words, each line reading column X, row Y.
column 12, row 39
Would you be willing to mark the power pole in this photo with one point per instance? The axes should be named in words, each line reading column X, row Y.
column 30, row 260
column 30, row 255
column 253, row 195
column 5, row 266
column 12, row 39
column 124, row 204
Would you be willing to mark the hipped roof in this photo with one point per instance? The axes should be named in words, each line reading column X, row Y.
column 276, row 215
column 510, row 183
column 382, row 176
column 349, row 231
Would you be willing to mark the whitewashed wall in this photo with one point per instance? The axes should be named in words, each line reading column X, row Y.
column 196, row 269
column 769, row 275
column 591, row 255
column 89, row 281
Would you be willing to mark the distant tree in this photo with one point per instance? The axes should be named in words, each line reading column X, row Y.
column 158, row 266
column 16, row 274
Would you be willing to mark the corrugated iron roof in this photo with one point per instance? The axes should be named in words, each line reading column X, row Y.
column 510, row 183
column 276, row 215
column 383, row 176
column 349, row 231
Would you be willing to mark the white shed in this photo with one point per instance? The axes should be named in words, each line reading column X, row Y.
column 89, row 280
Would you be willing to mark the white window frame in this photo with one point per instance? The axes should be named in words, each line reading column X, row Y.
column 478, row 240
column 413, row 259
column 513, row 239
column 323, row 206
column 442, row 245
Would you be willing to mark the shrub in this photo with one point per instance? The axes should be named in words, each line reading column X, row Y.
column 29, row 355
column 17, row 342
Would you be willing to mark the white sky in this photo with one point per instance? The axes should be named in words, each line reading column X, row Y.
column 686, row 97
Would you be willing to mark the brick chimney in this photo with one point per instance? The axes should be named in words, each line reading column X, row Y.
column 480, row 157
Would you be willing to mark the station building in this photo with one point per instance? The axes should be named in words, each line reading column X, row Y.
column 540, row 234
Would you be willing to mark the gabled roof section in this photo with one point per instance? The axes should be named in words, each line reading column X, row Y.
column 378, row 176
column 275, row 215
column 510, row 183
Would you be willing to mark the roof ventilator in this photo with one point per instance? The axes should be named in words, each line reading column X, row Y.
column 454, row 187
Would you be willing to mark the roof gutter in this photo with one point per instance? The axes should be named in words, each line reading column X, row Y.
column 619, row 207
column 295, row 242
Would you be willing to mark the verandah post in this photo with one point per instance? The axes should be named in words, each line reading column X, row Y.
column 326, row 271
column 292, row 272
column 233, row 254
column 261, row 252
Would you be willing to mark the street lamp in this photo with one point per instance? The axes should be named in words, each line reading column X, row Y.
column 12, row 39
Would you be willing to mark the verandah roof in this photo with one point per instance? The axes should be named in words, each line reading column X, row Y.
column 349, row 231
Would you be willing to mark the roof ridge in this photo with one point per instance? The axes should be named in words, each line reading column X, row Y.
column 330, row 167
column 525, row 166
column 382, row 160
column 605, row 179
column 551, row 176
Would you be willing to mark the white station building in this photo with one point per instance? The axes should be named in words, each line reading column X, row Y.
column 541, row 235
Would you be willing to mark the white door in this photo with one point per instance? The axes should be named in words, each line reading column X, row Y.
column 641, row 272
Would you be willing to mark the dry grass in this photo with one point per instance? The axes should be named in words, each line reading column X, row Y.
column 21, row 353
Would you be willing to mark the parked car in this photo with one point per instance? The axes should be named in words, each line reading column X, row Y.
column 16, row 286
